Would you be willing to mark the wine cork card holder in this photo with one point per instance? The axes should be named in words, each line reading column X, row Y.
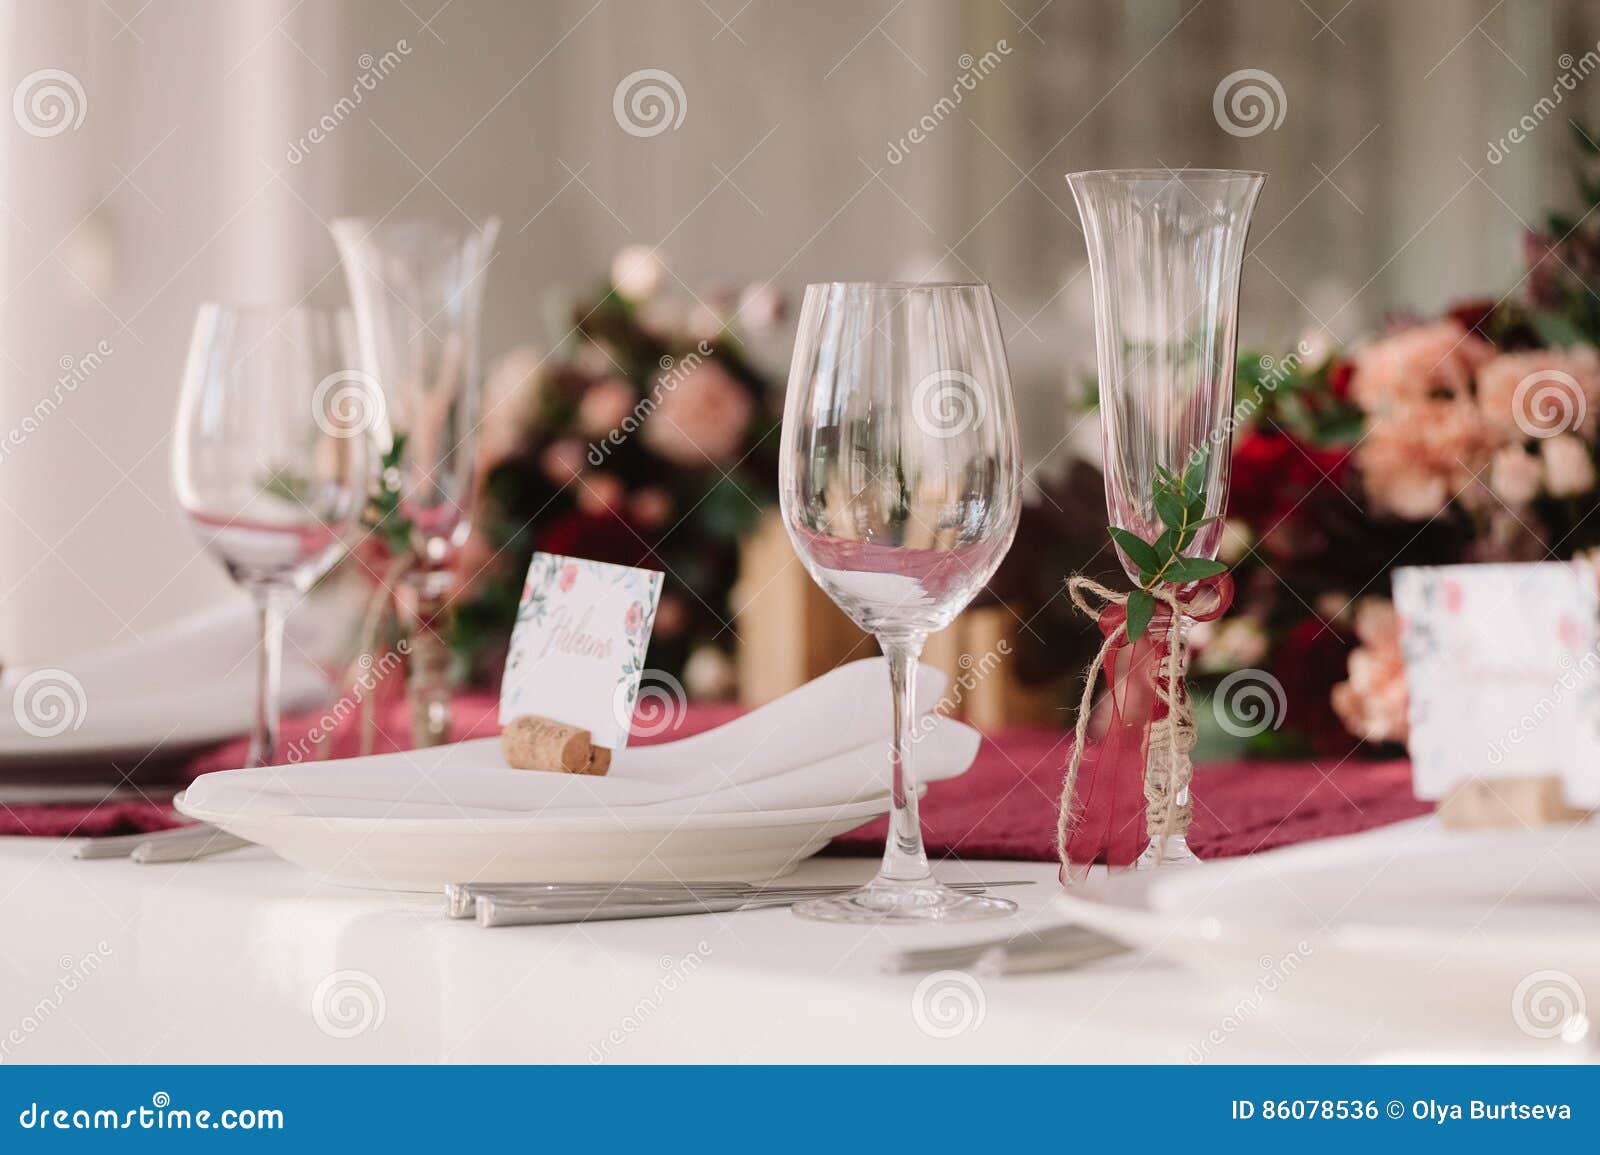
column 577, row 656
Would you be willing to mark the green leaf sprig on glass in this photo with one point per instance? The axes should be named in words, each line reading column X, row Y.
column 1181, row 505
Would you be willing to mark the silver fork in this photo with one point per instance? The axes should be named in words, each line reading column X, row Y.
column 179, row 845
column 1058, row 947
column 538, row 903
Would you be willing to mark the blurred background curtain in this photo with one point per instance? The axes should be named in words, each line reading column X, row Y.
column 190, row 177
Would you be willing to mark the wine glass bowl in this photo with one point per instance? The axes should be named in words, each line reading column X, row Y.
column 1165, row 251
column 900, row 488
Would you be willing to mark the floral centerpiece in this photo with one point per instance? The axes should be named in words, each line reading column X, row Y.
column 644, row 439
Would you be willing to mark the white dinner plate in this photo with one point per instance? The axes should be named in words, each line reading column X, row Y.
column 1494, row 934
column 426, row 853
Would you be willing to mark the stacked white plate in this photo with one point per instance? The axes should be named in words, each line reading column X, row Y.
column 749, row 800
column 181, row 686
column 1492, row 936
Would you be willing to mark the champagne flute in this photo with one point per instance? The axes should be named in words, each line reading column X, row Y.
column 900, row 485
column 271, row 461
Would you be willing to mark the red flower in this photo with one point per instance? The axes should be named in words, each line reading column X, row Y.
column 1273, row 473
column 1340, row 373
column 1308, row 661
column 569, row 574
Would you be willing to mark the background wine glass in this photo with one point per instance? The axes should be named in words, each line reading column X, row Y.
column 900, row 488
column 271, row 460
column 416, row 287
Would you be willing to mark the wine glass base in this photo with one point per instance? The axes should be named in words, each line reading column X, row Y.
column 1177, row 854
column 926, row 901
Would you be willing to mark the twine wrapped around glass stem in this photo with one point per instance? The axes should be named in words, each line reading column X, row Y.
column 1144, row 757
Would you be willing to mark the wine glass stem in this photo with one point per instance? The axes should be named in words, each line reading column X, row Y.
column 271, row 606
column 904, row 859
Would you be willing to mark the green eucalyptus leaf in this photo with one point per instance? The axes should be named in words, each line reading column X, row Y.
column 1171, row 509
column 1194, row 478
column 1141, row 608
column 1138, row 550
column 1192, row 569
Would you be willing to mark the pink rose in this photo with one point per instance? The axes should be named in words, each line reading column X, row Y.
column 633, row 619
column 1419, row 455
column 701, row 418
column 599, row 493
column 1514, row 475
column 1542, row 392
column 569, row 575
column 562, row 461
column 650, row 508
column 1568, row 468
column 605, row 405
column 1372, row 703
column 1417, row 363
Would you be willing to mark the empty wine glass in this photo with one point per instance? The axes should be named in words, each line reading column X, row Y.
column 900, row 486
column 271, row 461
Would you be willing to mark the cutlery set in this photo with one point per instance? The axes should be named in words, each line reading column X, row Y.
column 545, row 903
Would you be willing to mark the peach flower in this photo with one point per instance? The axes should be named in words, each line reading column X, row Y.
column 1514, row 475
column 605, row 405
column 1420, row 454
column 637, row 272
column 1418, row 363
column 1568, row 468
column 700, row 418
column 1542, row 392
column 1372, row 702
column 599, row 493
column 562, row 461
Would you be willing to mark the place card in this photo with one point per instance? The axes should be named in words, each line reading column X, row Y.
column 1503, row 675
column 577, row 650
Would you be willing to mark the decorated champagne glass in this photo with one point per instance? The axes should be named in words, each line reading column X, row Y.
column 1166, row 248
column 900, row 487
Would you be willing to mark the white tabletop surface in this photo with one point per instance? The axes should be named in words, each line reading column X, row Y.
column 245, row 958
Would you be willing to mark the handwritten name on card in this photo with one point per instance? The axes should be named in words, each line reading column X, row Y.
column 577, row 651
column 1502, row 674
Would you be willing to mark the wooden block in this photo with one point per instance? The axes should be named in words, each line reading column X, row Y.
column 1488, row 802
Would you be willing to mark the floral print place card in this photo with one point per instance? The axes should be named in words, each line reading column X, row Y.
column 577, row 650
column 1503, row 674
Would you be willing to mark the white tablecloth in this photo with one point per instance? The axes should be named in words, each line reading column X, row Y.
column 244, row 958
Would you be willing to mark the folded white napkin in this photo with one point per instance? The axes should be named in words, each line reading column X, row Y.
column 824, row 744
column 190, row 680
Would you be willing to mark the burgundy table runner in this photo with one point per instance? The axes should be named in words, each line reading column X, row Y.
column 1003, row 808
